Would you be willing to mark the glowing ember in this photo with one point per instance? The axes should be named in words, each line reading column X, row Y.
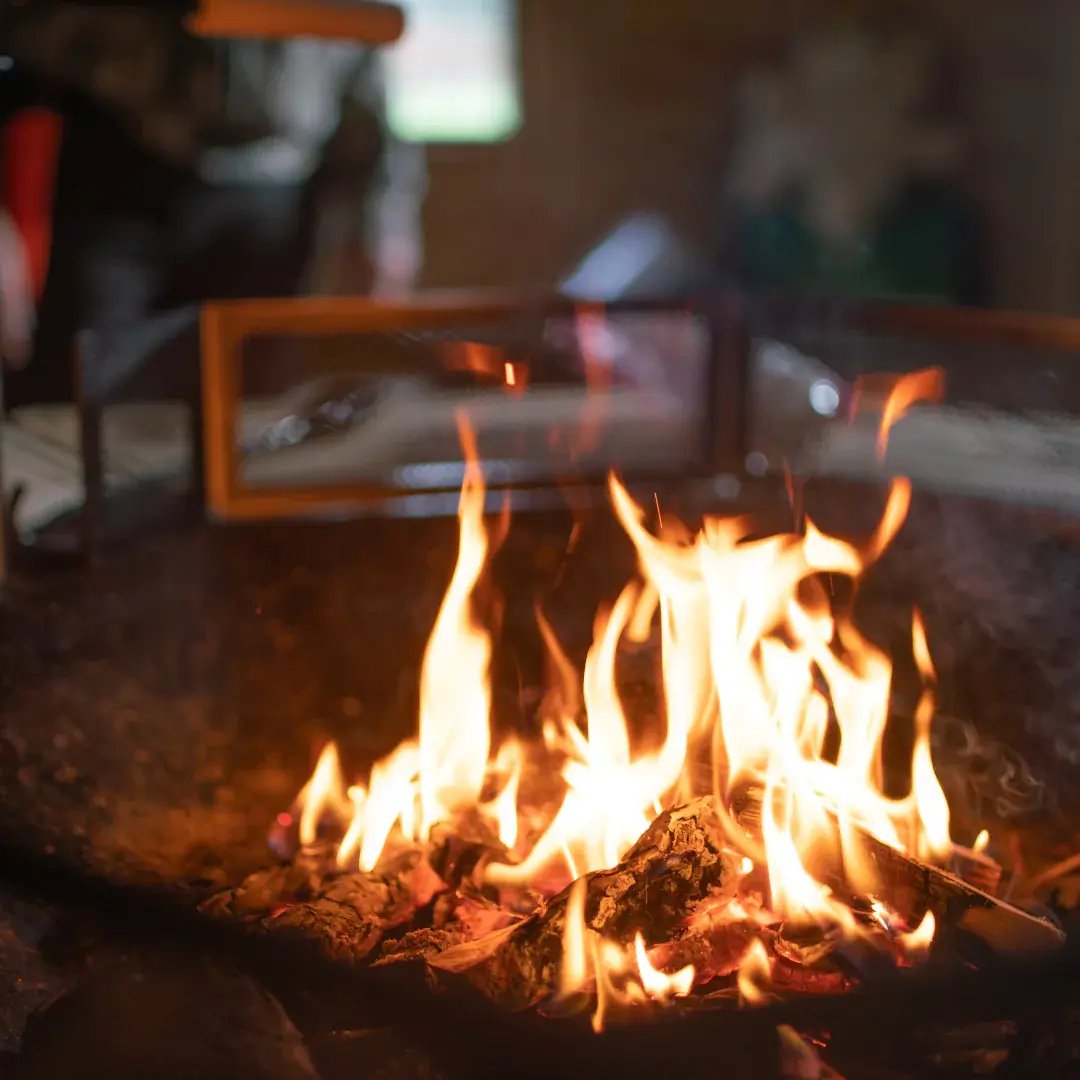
column 764, row 684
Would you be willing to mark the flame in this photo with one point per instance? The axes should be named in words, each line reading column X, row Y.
column 487, row 361
column 982, row 842
column 323, row 793
column 575, row 957
column 933, row 807
column 755, row 971
column 767, row 687
column 442, row 773
column 455, row 692
column 621, row 977
column 925, row 385
column 917, row 943
column 656, row 984
column 503, row 808
column 901, row 393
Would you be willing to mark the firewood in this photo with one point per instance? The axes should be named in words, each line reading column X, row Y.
column 715, row 948
column 268, row 889
column 679, row 861
column 911, row 887
column 343, row 915
column 458, row 917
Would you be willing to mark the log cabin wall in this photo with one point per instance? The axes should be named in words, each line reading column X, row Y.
column 627, row 106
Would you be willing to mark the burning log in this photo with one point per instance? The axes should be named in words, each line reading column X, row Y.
column 911, row 887
column 678, row 862
column 344, row 915
column 714, row 948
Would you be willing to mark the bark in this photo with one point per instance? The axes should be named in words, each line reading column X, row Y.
column 344, row 915
column 679, row 861
column 458, row 917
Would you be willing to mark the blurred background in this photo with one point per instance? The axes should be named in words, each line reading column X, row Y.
column 154, row 159
column 820, row 144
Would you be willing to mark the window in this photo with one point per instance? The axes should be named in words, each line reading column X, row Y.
column 453, row 77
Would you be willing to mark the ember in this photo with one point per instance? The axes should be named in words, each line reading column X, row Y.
column 751, row 847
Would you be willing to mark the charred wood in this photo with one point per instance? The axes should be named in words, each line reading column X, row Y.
column 344, row 915
column 911, row 887
column 678, row 862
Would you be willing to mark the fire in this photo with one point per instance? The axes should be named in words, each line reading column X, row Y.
column 901, row 392
column 755, row 971
column 933, row 807
column 486, row 361
column 769, row 692
column 917, row 943
column 323, row 794
column 655, row 983
column 455, row 692
column 621, row 977
column 441, row 774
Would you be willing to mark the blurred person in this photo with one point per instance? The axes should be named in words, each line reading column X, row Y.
column 16, row 296
column 845, row 173
column 195, row 169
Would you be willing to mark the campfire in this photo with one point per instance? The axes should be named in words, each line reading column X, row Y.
column 754, row 844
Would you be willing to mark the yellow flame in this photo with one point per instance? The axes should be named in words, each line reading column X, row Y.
column 933, row 807
column 658, row 985
column 640, row 625
column 564, row 697
column 620, row 977
column 575, row 959
column 442, row 773
column 755, row 971
column 455, row 693
column 323, row 793
column 982, row 842
column 917, row 943
column 503, row 808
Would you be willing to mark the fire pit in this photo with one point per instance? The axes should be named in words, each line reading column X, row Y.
column 749, row 844
column 720, row 821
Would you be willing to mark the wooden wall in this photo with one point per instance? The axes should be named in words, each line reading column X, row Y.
column 627, row 105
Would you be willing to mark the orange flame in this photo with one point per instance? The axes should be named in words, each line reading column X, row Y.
column 442, row 773
column 901, row 393
column 487, row 361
